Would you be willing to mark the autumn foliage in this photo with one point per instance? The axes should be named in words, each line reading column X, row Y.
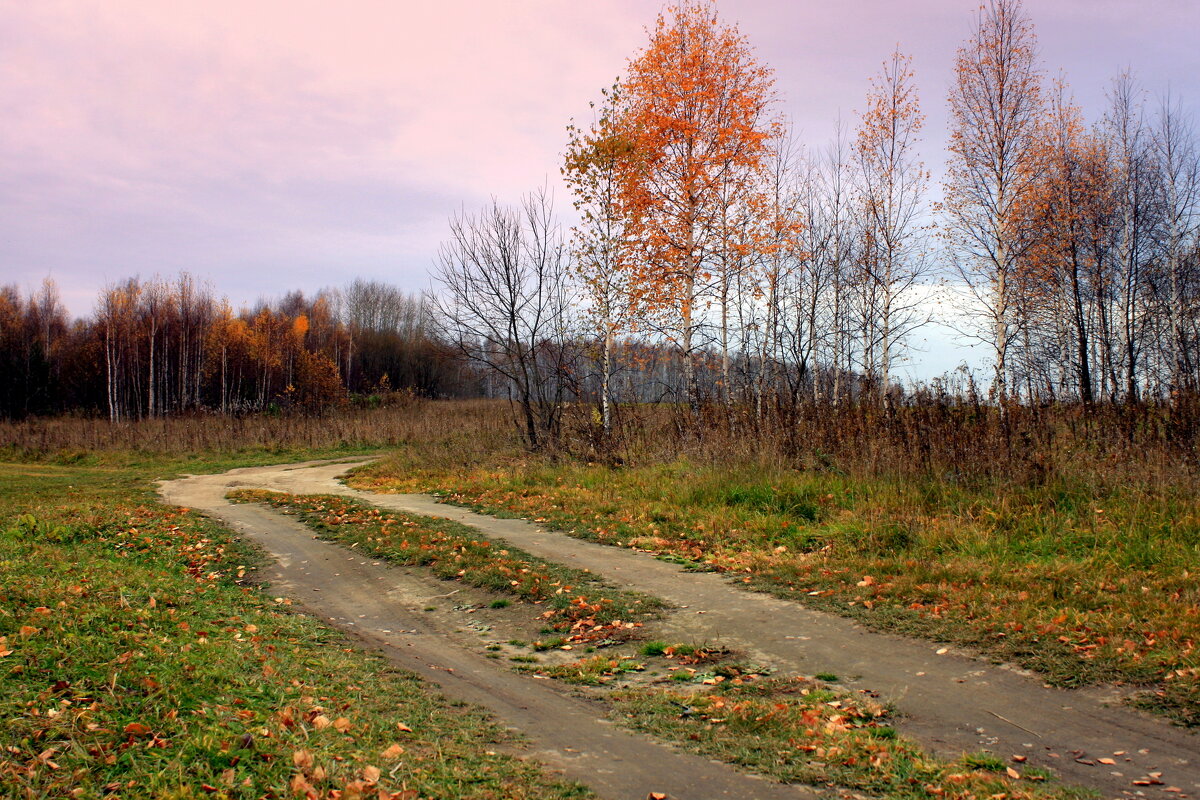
column 693, row 122
column 156, row 348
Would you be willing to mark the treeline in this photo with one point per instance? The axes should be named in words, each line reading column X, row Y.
column 156, row 347
column 760, row 274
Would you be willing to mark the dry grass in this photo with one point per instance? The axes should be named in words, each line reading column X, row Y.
column 476, row 424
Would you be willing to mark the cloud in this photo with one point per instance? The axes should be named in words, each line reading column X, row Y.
column 240, row 143
column 284, row 144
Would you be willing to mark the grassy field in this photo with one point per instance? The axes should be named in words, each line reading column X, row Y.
column 137, row 659
column 1087, row 575
column 795, row 729
column 133, row 642
column 801, row 730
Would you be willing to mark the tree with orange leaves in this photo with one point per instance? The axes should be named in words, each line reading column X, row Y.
column 995, row 162
column 699, row 109
column 1072, row 208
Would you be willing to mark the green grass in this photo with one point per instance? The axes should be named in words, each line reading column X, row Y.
column 1081, row 582
column 593, row 671
column 580, row 605
column 137, row 661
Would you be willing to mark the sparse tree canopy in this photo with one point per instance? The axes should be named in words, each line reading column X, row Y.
column 996, row 158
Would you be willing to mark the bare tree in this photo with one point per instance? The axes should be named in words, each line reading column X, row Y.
column 1122, row 310
column 893, row 187
column 1178, row 181
column 504, row 298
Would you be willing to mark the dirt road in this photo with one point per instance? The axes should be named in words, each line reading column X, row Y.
column 951, row 702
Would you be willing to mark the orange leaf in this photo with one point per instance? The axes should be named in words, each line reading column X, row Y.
column 299, row 785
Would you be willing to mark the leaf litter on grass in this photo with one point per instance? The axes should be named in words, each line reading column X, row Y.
column 136, row 661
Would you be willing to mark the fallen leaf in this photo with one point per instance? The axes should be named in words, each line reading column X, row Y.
column 371, row 774
column 321, row 722
column 302, row 759
column 27, row 631
column 341, row 725
column 1108, row 761
column 1020, row 759
column 1012, row 773
column 136, row 729
column 395, row 751
column 403, row 727
column 299, row 785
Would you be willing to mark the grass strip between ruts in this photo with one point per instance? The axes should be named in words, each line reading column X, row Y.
column 802, row 731
column 580, row 605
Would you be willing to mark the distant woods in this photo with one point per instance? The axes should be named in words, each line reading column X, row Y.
column 159, row 347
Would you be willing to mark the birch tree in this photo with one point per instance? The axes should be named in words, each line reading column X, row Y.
column 994, row 164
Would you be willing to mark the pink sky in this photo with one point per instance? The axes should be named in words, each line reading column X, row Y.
column 269, row 145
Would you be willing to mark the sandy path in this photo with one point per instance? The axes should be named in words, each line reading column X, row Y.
column 953, row 703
